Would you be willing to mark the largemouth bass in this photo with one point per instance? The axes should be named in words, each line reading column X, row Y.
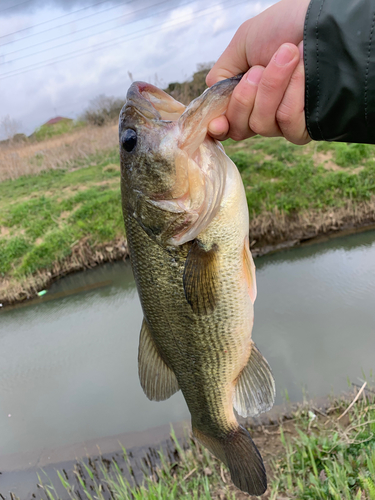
column 187, row 226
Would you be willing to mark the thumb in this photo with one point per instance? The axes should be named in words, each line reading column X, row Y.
column 233, row 60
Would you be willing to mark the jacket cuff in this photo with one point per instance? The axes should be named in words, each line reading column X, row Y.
column 339, row 56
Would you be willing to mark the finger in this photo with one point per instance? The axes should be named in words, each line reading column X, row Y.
column 241, row 104
column 271, row 90
column 291, row 113
column 232, row 61
column 257, row 39
column 219, row 128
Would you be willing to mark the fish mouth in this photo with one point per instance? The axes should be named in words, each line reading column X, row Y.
column 153, row 103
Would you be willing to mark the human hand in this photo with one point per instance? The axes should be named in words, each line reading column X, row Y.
column 274, row 96
column 268, row 101
column 258, row 38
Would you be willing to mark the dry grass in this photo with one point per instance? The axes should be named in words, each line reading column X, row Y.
column 34, row 157
column 272, row 229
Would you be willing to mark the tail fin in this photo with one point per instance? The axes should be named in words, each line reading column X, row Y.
column 238, row 451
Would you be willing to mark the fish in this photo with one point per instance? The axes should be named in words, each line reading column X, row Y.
column 187, row 227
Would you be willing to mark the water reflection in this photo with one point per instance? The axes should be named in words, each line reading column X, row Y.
column 69, row 366
column 315, row 314
column 69, row 361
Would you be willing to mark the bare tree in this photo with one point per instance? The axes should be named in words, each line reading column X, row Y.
column 9, row 127
column 103, row 109
column 190, row 89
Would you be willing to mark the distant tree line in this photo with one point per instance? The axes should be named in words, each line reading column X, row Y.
column 9, row 129
column 106, row 109
column 185, row 92
column 103, row 109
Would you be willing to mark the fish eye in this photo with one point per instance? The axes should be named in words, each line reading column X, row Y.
column 129, row 139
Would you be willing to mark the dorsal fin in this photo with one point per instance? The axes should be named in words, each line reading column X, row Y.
column 157, row 380
column 255, row 388
column 201, row 278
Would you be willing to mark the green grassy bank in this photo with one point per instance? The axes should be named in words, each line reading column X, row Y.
column 314, row 455
column 64, row 218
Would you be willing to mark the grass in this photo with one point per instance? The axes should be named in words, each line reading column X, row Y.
column 192, row 475
column 69, row 192
column 329, row 460
column 279, row 175
column 64, row 126
column 44, row 215
column 319, row 457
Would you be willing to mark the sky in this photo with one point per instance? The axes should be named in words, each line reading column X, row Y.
column 57, row 55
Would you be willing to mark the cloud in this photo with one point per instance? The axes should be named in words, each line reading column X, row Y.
column 169, row 49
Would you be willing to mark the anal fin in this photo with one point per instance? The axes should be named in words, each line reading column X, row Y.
column 157, row 380
column 255, row 389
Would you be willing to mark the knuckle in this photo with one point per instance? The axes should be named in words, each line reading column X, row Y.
column 241, row 98
column 284, row 116
column 239, row 131
column 269, row 85
column 266, row 128
column 243, row 29
column 258, row 126
column 236, row 137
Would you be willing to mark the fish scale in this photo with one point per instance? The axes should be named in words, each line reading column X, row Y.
column 203, row 339
column 186, row 222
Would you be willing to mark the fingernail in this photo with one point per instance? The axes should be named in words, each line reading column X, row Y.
column 284, row 55
column 254, row 75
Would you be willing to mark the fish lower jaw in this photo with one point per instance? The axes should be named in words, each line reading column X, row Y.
column 191, row 225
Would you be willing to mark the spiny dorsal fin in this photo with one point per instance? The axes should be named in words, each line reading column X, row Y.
column 201, row 278
column 249, row 267
column 255, row 389
column 157, row 380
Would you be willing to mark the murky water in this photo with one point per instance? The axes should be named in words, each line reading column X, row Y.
column 69, row 361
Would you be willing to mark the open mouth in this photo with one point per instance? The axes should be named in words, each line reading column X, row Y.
column 167, row 108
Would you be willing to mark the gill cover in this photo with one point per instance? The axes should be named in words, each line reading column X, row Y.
column 200, row 162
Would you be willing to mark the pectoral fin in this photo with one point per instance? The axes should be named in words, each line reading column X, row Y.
column 157, row 380
column 255, row 389
column 201, row 278
column 249, row 268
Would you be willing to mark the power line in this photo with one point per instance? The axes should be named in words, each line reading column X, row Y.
column 59, row 17
column 100, row 46
column 85, row 51
column 14, row 6
column 84, row 29
column 60, row 25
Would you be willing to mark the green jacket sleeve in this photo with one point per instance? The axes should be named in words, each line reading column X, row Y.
column 339, row 55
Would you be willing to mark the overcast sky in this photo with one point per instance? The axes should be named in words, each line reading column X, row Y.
column 56, row 55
